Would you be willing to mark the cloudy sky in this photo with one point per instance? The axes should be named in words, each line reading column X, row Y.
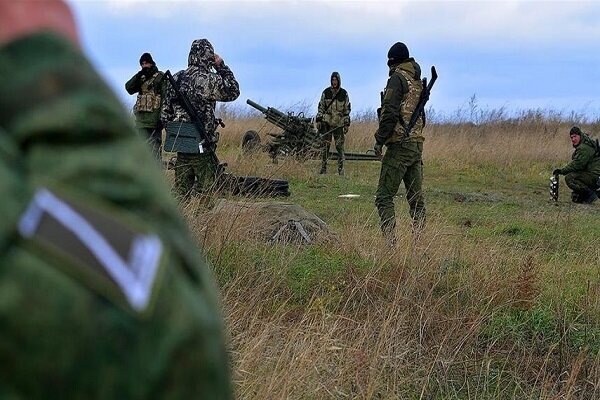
column 513, row 54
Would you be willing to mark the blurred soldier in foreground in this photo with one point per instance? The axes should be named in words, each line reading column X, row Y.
column 403, row 158
column 203, row 87
column 149, row 84
column 582, row 173
column 102, row 294
column 333, row 120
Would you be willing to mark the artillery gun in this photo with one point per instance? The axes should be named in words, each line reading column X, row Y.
column 299, row 137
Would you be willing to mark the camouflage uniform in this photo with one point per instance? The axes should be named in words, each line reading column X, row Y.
column 403, row 158
column 82, row 316
column 150, row 86
column 582, row 173
column 203, row 88
column 333, row 117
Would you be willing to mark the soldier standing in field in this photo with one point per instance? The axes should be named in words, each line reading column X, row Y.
column 203, row 87
column 333, row 120
column 582, row 173
column 104, row 294
column 402, row 161
column 149, row 84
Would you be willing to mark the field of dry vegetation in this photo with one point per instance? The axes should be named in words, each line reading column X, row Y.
column 499, row 298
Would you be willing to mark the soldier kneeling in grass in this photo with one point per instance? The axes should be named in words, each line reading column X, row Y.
column 582, row 173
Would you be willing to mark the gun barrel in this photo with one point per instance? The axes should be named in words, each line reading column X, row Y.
column 256, row 105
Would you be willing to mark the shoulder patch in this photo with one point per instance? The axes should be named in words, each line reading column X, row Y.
column 96, row 241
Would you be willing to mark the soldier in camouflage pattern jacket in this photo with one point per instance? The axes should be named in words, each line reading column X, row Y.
column 333, row 120
column 583, row 172
column 402, row 161
column 203, row 87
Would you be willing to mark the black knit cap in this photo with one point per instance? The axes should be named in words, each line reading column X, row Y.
column 575, row 131
column 398, row 53
column 148, row 58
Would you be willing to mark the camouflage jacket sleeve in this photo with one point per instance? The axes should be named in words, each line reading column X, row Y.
column 163, row 91
column 167, row 112
column 62, row 128
column 322, row 106
column 224, row 86
column 390, row 108
column 581, row 157
column 134, row 85
column 347, row 109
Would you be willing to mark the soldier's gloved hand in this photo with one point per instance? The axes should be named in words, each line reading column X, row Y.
column 145, row 72
column 557, row 172
column 378, row 148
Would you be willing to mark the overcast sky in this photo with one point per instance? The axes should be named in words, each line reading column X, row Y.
column 516, row 54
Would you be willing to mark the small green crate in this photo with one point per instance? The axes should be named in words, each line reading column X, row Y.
column 182, row 137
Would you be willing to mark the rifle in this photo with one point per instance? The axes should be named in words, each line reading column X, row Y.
column 238, row 185
column 206, row 142
column 423, row 98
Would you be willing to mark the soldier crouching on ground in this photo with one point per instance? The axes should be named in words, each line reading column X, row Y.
column 403, row 158
column 149, row 84
column 203, row 87
column 333, row 120
column 582, row 173
column 103, row 293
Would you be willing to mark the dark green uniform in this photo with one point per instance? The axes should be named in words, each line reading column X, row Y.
column 582, row 173
column 150, row 88
column 402, row 161
column 103, row 294
column 334, row 119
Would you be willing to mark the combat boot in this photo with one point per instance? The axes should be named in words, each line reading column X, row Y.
column 589, row 197
column 323, row 170
column 341, row 171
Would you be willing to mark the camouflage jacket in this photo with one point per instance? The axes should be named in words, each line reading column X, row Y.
column 400, row 99
column 202, row 86
column 141, row 84
column 586, row 157
column 334, row 106
column 83, row 317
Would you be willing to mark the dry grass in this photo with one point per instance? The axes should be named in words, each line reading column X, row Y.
column 446, row 315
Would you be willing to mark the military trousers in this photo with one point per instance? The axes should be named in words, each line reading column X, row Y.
column 327, row 134
column 194, row 172
column 153, row 137
column 582, row 182
column 402, row 162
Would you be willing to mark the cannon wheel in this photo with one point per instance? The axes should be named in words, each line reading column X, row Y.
column 250, row 142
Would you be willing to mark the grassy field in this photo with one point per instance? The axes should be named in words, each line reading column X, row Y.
column 499, row 298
